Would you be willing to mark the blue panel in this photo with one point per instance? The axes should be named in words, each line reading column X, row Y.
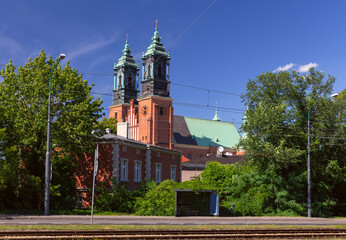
column 213, row 204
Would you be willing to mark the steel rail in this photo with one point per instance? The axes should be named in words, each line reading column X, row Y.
column 175, row 234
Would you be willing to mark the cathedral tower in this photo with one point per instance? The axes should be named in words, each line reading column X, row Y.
column 125, row 84
column 155, row 104
column 155, row 69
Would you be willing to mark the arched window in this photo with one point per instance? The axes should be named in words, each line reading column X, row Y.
column 149, row 67
column 119, row 81
column 159, row 71
column 129, row 82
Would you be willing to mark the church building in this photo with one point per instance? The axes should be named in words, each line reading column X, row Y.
column 147, row 115
column 151, row 142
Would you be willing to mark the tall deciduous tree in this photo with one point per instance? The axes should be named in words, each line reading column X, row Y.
column 24, row 103
column 276, row 141
column 110, row 123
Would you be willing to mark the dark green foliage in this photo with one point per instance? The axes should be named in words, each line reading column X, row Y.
column 63, row 188
column 273, row 178
column 24, row 112
column 110, row 123
column 252, row 192
column 159, row 201
column 276, row 141
column 196, row 184
column 118, row 198
column 115, row 198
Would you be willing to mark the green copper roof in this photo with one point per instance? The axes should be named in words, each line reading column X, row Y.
column 212, row 133
column 156, row 47
column 126, row 59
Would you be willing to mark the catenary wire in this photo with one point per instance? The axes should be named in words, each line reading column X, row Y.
column 173, row 83
column 182, row 34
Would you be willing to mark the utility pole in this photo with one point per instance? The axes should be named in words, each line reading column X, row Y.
column 48, row 168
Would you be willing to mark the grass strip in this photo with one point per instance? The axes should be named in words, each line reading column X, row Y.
column 160, row 227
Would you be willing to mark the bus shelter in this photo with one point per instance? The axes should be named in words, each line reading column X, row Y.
column 190, row 202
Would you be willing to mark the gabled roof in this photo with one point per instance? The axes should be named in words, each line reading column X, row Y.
column 200, row 163
column 110, row 138
column 202, row 132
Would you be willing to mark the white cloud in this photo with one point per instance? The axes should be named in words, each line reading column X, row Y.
column 9, row 44
column 11, row 48
column 91, row 46
column 305, row 68
column 102, row 59
column 300, row 68
column 284, row 68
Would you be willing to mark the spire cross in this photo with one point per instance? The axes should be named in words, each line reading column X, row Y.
column 156, row 23
column 127, row 37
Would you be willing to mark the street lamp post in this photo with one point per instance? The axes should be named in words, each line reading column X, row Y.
column 309, row 171
column 47, row 168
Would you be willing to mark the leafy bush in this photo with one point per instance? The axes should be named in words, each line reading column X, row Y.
column 118, row 198
column 252, row 202
column 158, row 201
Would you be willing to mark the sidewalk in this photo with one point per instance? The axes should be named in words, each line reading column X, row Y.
column 143, row 220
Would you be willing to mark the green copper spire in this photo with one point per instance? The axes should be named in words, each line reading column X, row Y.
column 156, row 47
column 244, row 120
column 126, row 59
column 216, row 117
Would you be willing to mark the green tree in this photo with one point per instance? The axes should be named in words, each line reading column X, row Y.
column 110, row 123
column 158, row 201
column 277, row 112
column 24, row 100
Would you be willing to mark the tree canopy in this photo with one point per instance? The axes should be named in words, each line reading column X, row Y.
column 24, row 107
column 110, row 123
column 276, row 137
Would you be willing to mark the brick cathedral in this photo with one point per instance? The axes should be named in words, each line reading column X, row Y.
column 147, row 117
column 151, row 142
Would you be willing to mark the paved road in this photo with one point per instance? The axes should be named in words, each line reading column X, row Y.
column 140, row 220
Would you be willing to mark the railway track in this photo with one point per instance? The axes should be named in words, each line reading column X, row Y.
column 178, row 234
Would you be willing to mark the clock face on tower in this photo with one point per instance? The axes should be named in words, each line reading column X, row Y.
column 144, row 110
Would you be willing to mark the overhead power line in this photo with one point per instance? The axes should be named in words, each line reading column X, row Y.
column 223, row 109
column 182, row 34
column 188, row 28
column 173, row 83
column 206, row 89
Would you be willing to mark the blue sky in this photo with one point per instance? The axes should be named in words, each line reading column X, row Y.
column 232, row 42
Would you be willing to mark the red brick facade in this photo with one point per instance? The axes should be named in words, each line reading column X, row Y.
column 151, row 121
column 129, row 162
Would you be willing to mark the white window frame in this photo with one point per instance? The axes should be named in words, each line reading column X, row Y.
column 158, row 172
column 137, row 177
column 173, row 174
column 124, row 170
